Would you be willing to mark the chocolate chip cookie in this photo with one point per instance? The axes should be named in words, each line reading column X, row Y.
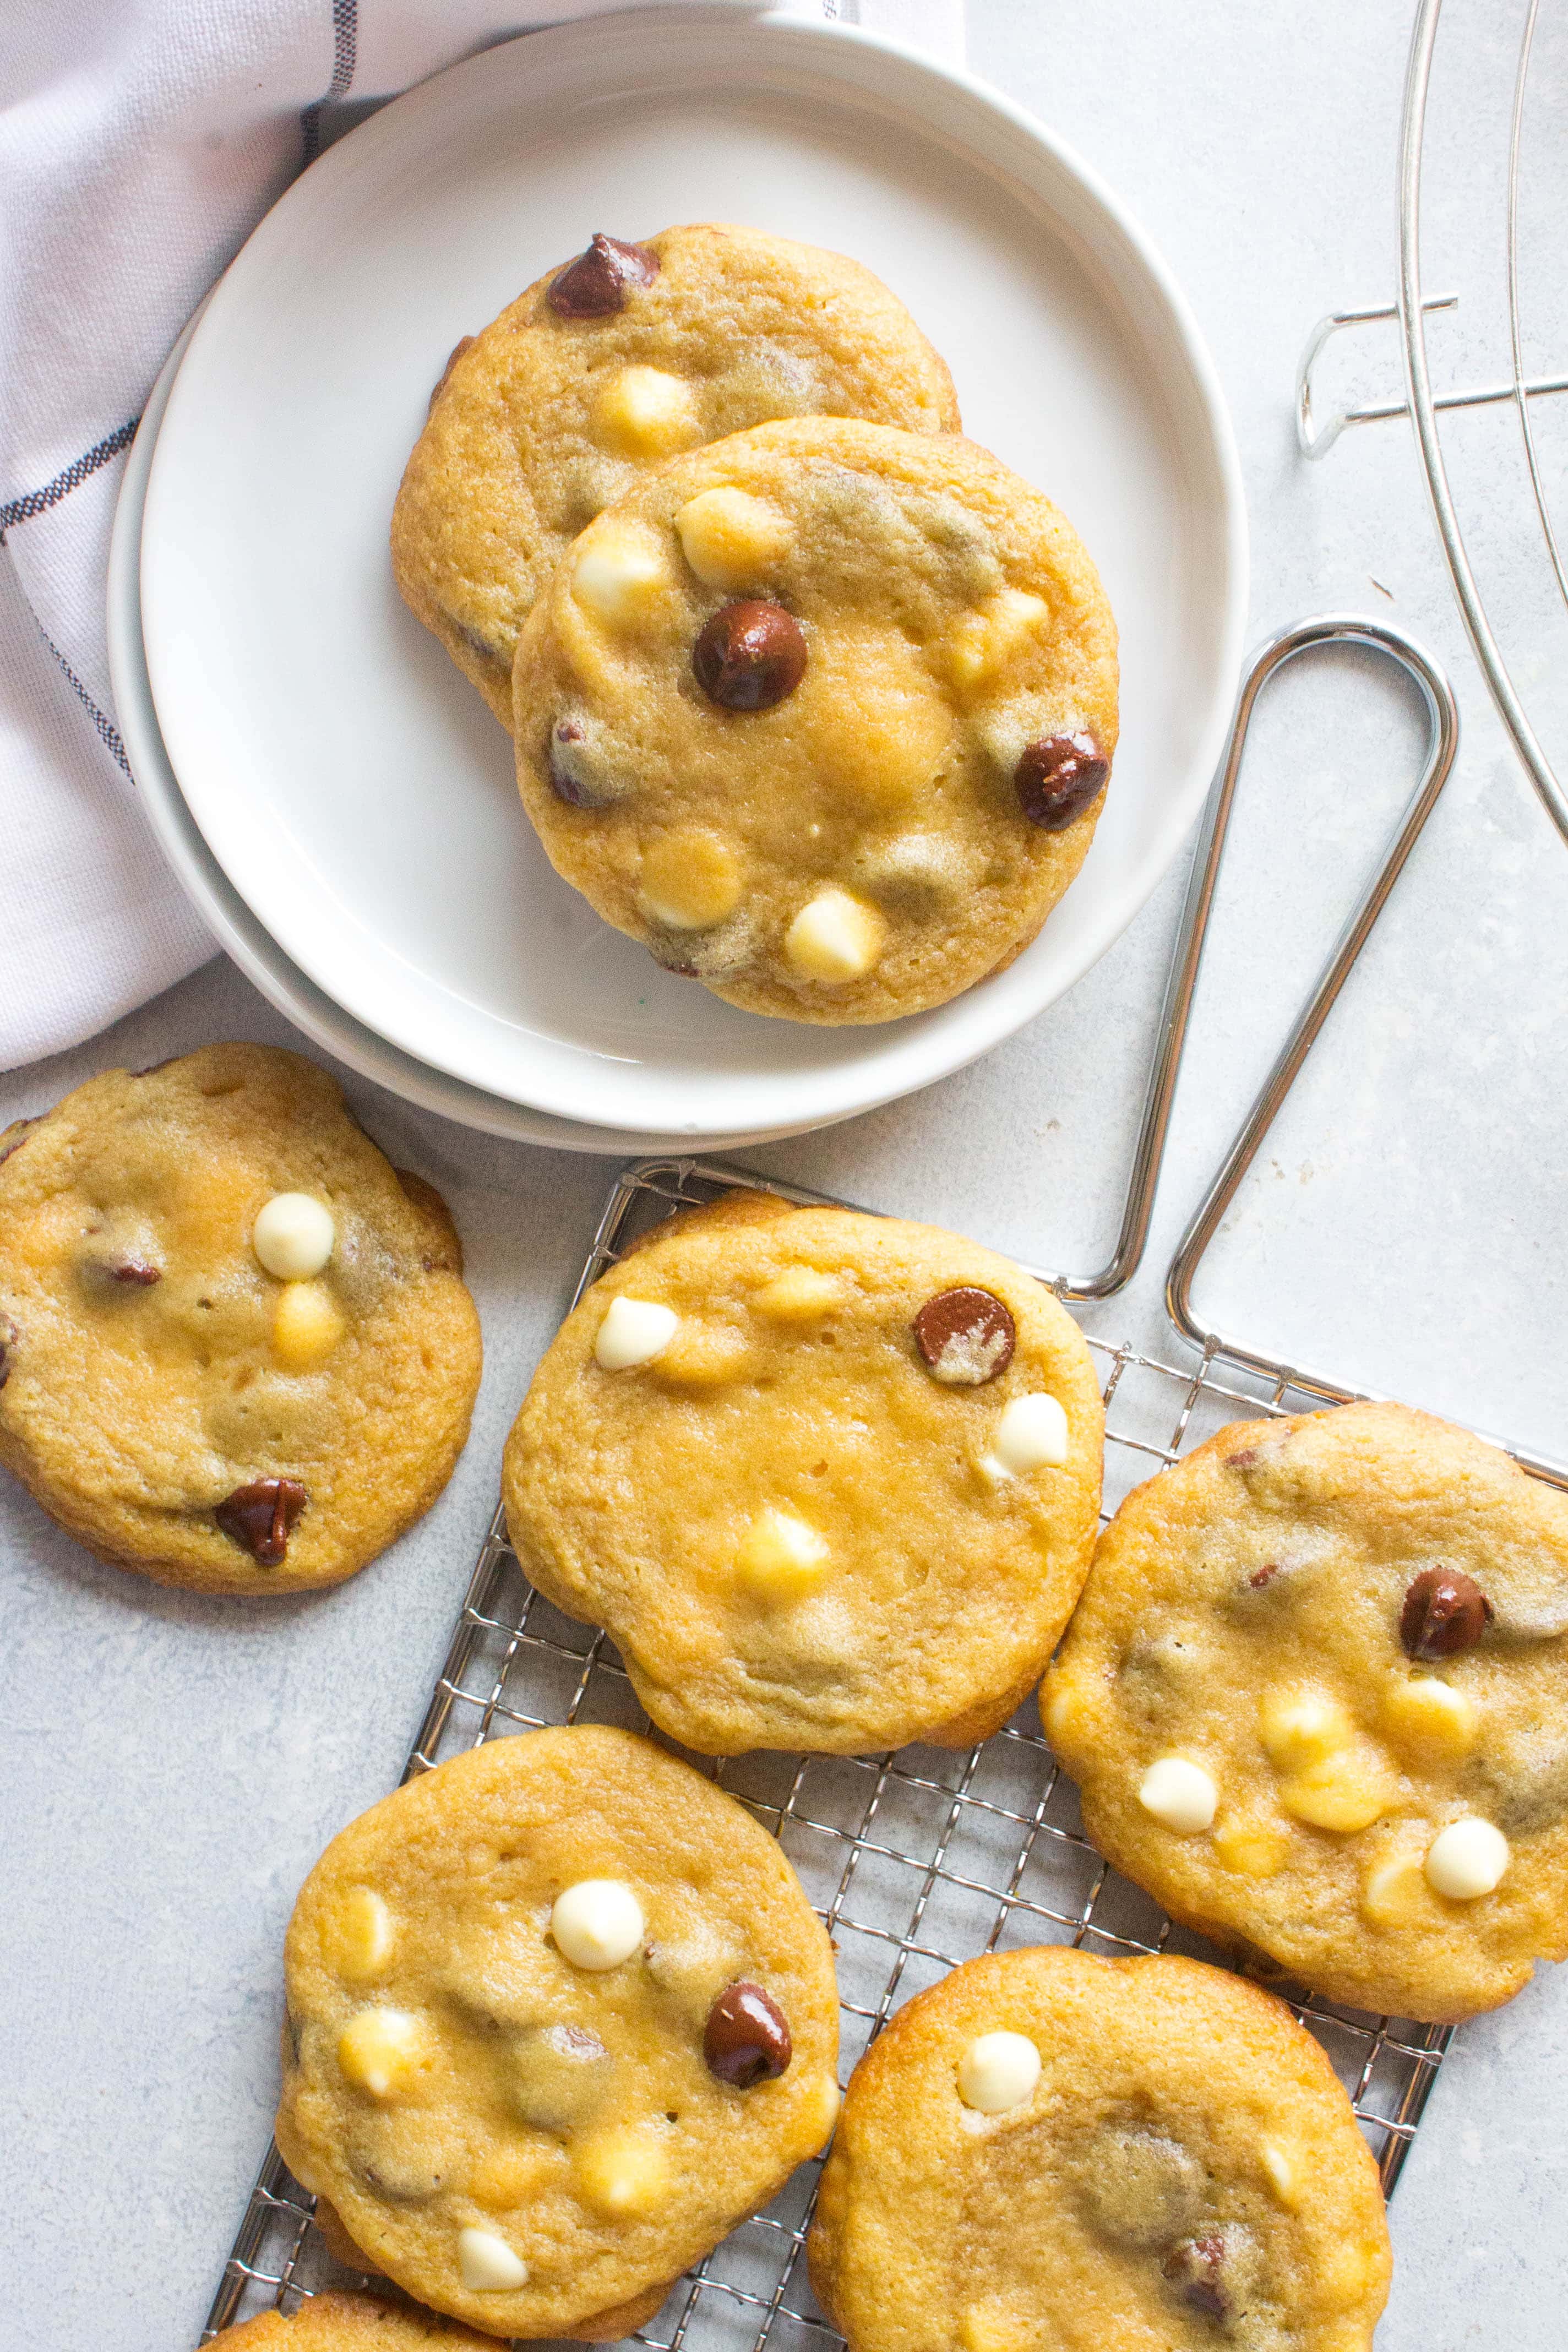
column 1047, row 2150
column 603, row 369
column 830, row 1480
column 352, row 2323
column 236, row 1348
column 823, row 715
column 559, row 2017
column 1315, row 1699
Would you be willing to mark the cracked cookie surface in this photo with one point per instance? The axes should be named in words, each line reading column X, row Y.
column 1048, row 2152
column 559, row 406
column 236, row 1352
column 830, row 1480
column 1314, row 1699
column 560, row 2016
column 823, row 715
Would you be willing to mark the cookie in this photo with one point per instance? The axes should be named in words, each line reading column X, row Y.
column 830, row 1480
column 823, row 715
column 236, row 1350
column 559, row 2017
column 1047, row 2150
column 1314, row 1697
column 604, row 368
column 351, row 2323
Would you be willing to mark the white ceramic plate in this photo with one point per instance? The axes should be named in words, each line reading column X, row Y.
column 359, row 796
column 231, row 920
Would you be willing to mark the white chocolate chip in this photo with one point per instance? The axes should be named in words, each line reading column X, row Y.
column 998, row 2071
column 377, row 2051
column 731, row 539
column 1179, row 1793
column 634, row 1331
column 689, row 881
column 306, row 1326
column 1302, row 1726
column 360, row 1936
column 1032, row 1434
column 781, row 1558
column 1466, row 1860
column 641, row 412
column 1430, row 1716
column 986, row 639
column 835, row 938
column 487, row 2264
column 596, row 1924
column 294, row 1237
column 1282, row 2171
column 621, row 2173
column 620, row 576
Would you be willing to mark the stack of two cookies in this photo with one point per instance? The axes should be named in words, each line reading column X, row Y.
column 811, row 696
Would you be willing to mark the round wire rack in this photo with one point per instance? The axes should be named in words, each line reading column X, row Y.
column 1483, row 180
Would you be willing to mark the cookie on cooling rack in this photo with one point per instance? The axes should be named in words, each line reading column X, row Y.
column 236, row 1348
column 823, row 715
column 559, row 2017
column 830, row 1480
column 1314, row 1697
column 352, row 2323
column 606, row 367
column 1050, row 2150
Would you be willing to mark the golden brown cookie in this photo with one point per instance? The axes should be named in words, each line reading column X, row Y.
column 352, row 2323
column 830, row 1480
column 823, row 715
column 559, row 2017
column 1315, row 1699
column 603, row 369
column 235, row 1348
column 1050, row 2153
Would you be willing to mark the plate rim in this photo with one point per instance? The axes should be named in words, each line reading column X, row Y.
column 950, row 1036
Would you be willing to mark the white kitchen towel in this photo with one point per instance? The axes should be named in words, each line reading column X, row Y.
column 141, row 140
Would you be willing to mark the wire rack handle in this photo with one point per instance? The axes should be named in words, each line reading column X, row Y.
column 1443, row 740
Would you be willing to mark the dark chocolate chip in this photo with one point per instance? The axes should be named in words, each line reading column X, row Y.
column 136, row 1271
column 1262, row 1576
column 260, row 1517
column 597, row 284
column 1196, row 2270
column 1242, row 1461
column 966, row 1336
column 1056, row 777
column 746, row 2040
column 750, row 656
column 1445, row 1612
column 464, row 343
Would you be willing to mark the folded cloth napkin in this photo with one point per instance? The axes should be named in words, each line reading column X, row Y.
column 141, row 140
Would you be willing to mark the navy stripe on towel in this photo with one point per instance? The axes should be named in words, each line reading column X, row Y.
column 345, row 40
column 71, row 477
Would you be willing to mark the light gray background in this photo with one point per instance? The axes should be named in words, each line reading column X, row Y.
column 172, row 1767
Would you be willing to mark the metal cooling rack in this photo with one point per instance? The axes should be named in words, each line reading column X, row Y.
column 919, row 1859
column 1533, row 129
column 914, row 1861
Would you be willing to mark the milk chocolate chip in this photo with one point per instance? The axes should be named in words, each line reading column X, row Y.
column 136, row 1271
column 260, row 1517
column 746, row 2040
column 966, row 1336
column 750, row 656
column 597, row 284
column 1196, row 2270
column 579, row 773
column 1056, row 777
column 1445, row 1612
column 464, row 343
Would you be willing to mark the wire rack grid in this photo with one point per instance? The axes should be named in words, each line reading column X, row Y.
column 914, row 1861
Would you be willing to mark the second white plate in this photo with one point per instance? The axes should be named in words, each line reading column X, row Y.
column 358, row 795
